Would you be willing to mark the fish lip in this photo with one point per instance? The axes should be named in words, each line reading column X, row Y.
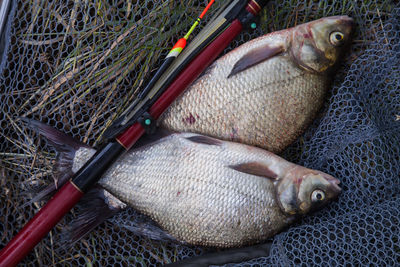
column 348, row 21
column 335, row 185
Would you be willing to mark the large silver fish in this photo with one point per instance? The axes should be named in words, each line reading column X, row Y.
column 265, row 92
column 204, row 191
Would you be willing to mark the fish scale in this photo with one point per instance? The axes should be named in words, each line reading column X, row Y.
column 268, row 104
column 192, row 191
column 280, row 100
column 210, row 192
column 215, row 190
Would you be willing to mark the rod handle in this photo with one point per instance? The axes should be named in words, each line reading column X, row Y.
column 50, row 214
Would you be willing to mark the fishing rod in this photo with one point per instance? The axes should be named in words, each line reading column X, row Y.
column 226, row 27
column 126, row 119
column 221, row 20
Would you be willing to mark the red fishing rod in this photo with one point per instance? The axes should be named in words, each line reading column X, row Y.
column 239, row 15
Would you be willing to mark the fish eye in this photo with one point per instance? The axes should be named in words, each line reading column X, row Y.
column 317, row 196
column 336, row 38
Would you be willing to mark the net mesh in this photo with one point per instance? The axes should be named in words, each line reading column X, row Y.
column 73, row 64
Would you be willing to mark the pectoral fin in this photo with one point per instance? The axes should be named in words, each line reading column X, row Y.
column 255, row 57
column 255, row 168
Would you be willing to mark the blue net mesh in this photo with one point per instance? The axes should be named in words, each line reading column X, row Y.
column 68, row 66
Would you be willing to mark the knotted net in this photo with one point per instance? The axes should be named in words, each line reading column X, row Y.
column 73, row 64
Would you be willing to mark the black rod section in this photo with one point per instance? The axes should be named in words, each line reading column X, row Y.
column 97, row 165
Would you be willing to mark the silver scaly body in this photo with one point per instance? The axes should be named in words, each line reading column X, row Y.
column 273, row 99
column 192, row 190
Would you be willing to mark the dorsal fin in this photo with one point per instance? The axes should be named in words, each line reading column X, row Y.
column 150, row 139
column 201, row 139
column 255, row 168
column 254, row 57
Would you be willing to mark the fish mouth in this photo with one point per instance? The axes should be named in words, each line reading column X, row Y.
column 349, row 22
column 334, row 185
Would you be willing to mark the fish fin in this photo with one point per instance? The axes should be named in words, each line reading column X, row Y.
column 65, row 146
column 44, row 193
column 255, row 168
column 149, row 139
column 97, row 206
column 94, row 208
column 60, row 140
column 142, row 225
column 255, row 57
column 206, row 140
column 226, row 257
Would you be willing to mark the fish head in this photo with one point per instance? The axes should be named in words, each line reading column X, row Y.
column 316, row 46
column 302, row 190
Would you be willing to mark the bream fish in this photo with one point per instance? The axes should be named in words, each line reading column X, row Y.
column 265, row 92
column 204, row 191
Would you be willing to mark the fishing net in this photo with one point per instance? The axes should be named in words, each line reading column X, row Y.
column 74, row 64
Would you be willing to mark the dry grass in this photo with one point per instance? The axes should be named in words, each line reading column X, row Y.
column 95, row 56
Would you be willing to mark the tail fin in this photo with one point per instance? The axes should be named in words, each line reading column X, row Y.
column 65, row 146
column 97, row 205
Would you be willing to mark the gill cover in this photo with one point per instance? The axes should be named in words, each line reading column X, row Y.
column 303, row 190
column 316, row 46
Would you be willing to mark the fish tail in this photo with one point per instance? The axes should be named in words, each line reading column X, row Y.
column 97, row 205
column 65, row 146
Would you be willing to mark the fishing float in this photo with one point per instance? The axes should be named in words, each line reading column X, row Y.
column 141, row 117
column 124, row 120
